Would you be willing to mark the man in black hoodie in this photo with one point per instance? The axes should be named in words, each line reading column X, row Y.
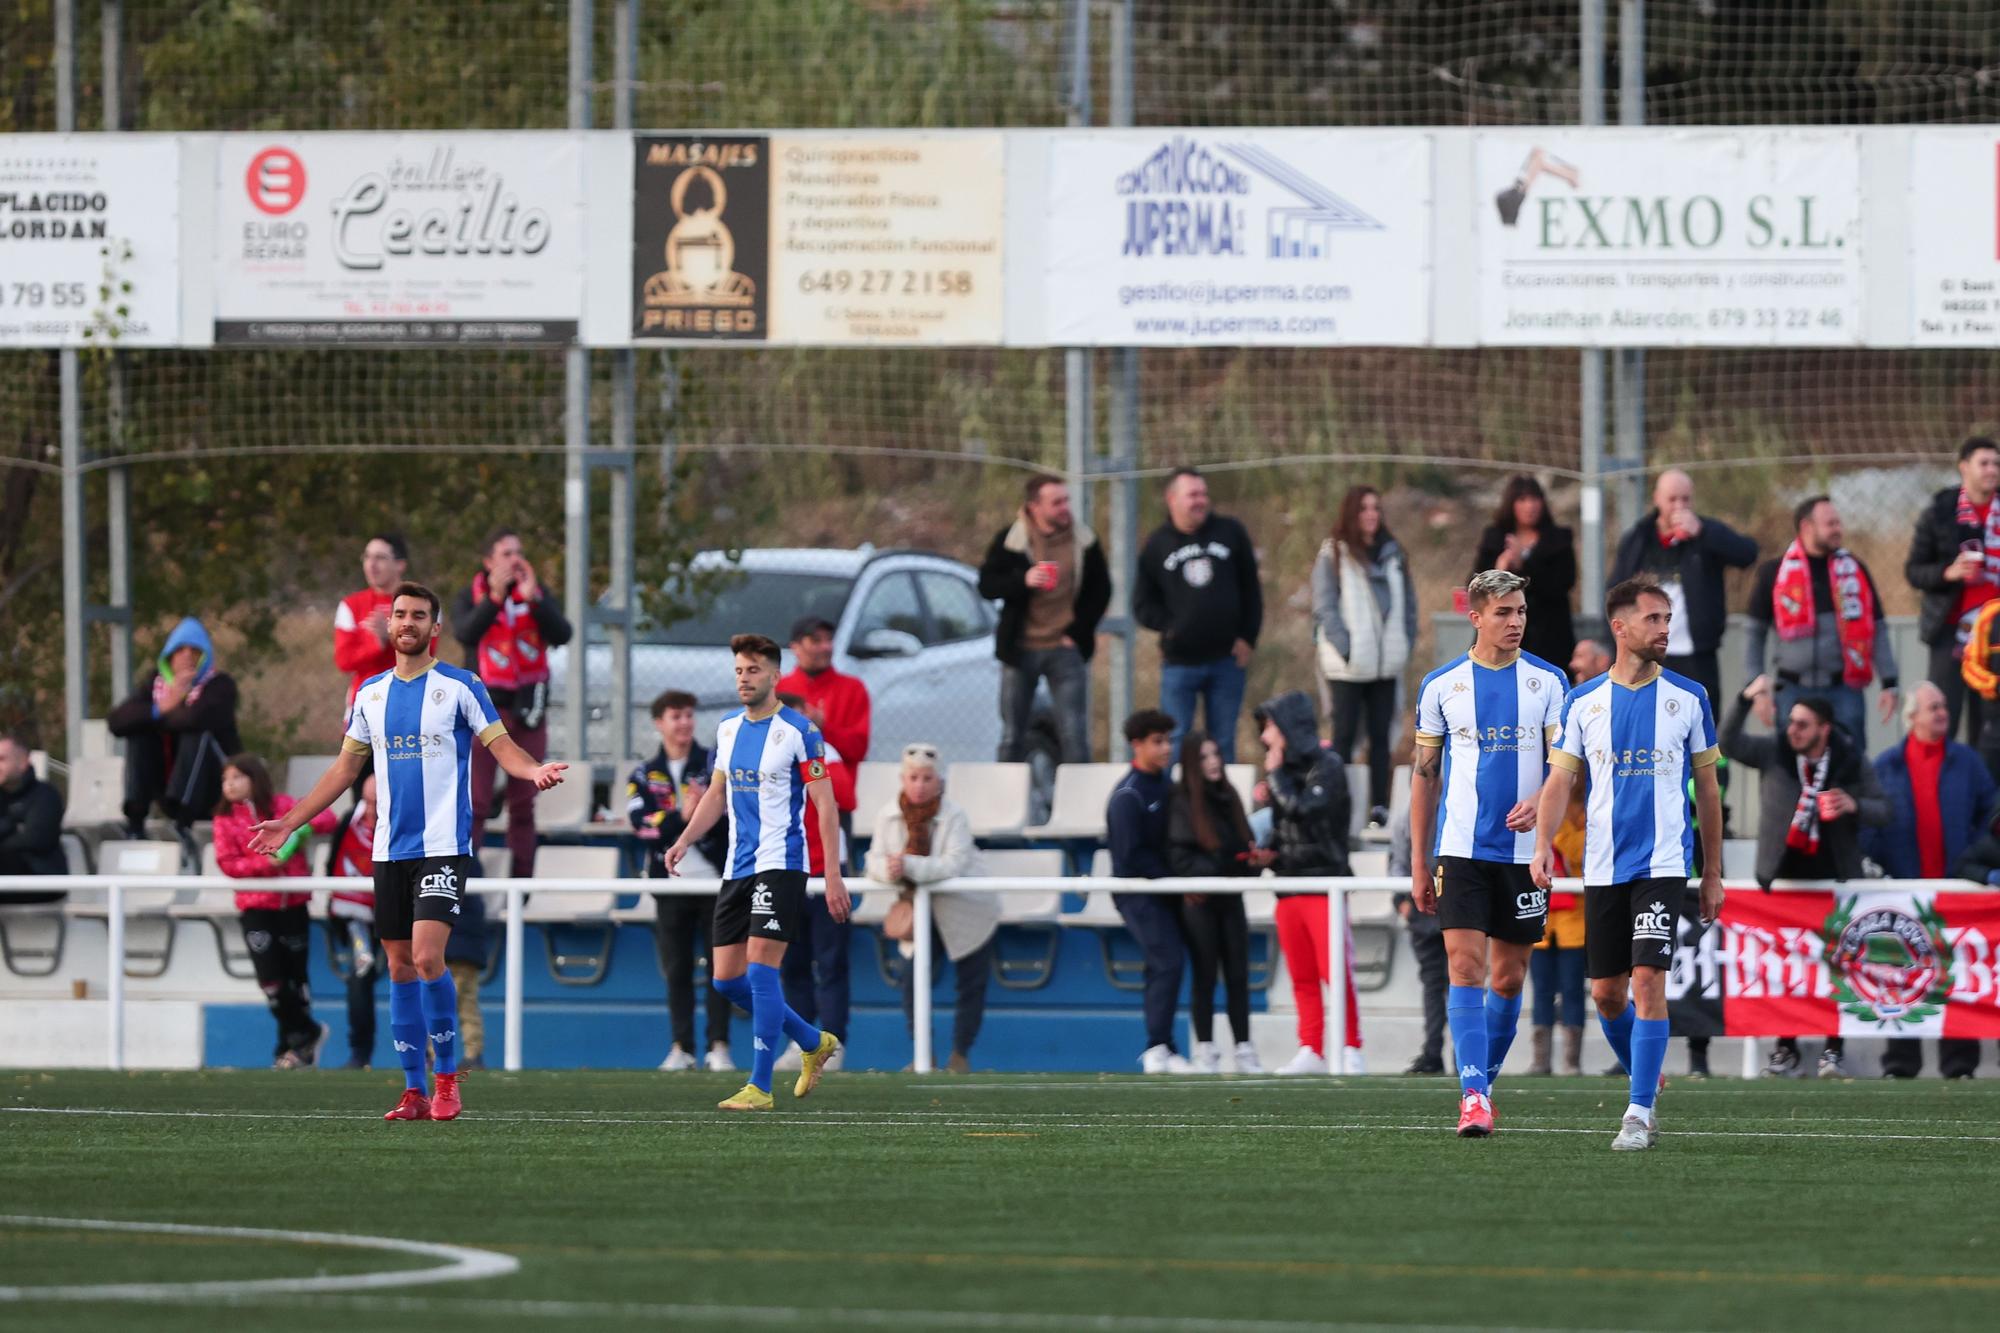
column 31, row 814
column 1197, row 585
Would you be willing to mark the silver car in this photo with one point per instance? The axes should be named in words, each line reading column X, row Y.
column 911, row 625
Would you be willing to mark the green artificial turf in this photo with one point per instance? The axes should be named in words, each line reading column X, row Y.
column 1056, row 1202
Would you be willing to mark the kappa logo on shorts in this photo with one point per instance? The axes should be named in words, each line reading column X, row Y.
column 760, row 898
column 439, row 884
column 772, row 924
column 1655, row 923
column 1528, row 906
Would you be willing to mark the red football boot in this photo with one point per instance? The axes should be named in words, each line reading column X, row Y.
column 444, row 1098
column 1475, row 1116
column 414, row 1106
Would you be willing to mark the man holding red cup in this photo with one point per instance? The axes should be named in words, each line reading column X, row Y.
column 1817, row 792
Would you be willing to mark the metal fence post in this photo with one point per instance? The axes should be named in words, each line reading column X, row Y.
column 516, row 899
column 618, row 458
column 117, row 611
column 1122, row 549
column 1590, row 368
column 922, row 1058
column 1628, row 385
column 114, row 949
column 576, row 439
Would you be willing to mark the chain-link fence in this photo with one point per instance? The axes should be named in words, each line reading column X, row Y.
column 255, row 475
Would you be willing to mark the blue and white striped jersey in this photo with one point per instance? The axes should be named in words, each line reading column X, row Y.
column 1640, row 744
column 1493, row 723
column 767, row 765
column 422, row 730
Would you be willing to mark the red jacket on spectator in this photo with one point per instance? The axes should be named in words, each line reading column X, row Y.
column 843, row 701
column 841, row 774
column 234, row 857
column 356, row 650
column 355, row 856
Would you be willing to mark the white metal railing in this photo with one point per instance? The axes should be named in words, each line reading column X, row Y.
column 516, row 892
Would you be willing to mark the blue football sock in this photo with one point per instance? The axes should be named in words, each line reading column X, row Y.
column 767, row 1022
column 441, row 1021
column 736, row 990
column 1503, row 1019
column 1465, row 1007
column 406, row 1027
column 1649, row 1052
column 1618, row 1031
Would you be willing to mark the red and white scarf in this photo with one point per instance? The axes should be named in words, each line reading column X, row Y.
column 511, row 653
column 1794, row 616
column 1989, row 542
column 1803, row 835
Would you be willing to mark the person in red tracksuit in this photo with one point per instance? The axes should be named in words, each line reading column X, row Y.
column 507, row 622
column 361, row 622
column 274, row 922
column 815, row 967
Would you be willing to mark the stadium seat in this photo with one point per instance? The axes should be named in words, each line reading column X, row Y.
column 1036, row 914
column 568, row 806
column 1076, row 809
column 498, row 862
column 96, row 793
column 76, row 853
column 1244, row 777
column 97, row 740
column 303, row 770
column 993, row 796
column 876, row 785
column 589, row 912
column 41, row 954
column 142, row 906
column 1739, row 859
column 217, row 909
column 869, row 914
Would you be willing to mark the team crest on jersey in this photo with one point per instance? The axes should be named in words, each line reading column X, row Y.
column 1673, row 706
column 437, row 696
column 1534, row 684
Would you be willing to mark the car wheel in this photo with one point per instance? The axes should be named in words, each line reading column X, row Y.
column 1044, row 754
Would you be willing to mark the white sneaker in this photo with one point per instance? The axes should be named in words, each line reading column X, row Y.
column 1351, row 1061
column 718, row 1061
column 1246, row 1059
column 792, row 1060
column 1206, row 1058
column 1163, row 1060
column 1307, row 1061
column 677, row 1060
column 1634, row 1135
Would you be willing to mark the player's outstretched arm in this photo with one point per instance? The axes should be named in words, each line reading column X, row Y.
column 706, row 812
column 268, row 837
column 1548, row 818
column 519, row 764
column 828, row 815
column 1425, row 766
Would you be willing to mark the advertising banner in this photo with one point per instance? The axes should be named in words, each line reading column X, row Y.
column 89, row 241
column 1237, row 237
column 888, row 239
column 460, row 238
column 701, row 257
column 1867, row 963
column 1954, row 238
column 1654, row 238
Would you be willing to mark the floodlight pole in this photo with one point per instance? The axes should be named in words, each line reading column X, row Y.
column 76, row 676
column 576, row 441
column 1078, row 426
column 616, row 616
column 1123, row 461
column 1590, row 111
column 1628, row 392
column 117, row 611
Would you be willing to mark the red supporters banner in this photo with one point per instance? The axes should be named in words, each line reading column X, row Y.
column 1871, row 963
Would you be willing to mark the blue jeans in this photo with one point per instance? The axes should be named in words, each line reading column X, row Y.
column 1069, row 686
column 1850, row 707
column 1557, row 973
column 1220, row 684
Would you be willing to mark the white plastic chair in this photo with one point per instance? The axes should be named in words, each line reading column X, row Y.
column 1076, row 806
column 993, row 796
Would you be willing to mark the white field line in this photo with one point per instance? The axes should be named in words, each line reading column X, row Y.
column 461, row 1264
column 897, row 1120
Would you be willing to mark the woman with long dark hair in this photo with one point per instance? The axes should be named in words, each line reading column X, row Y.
column 1365, row 621
column 1524, row 538
column 1208, row 836
column 274, row 922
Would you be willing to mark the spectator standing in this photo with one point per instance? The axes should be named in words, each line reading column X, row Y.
column 1305, row 784
column 923, row 837
column 659, row 795
column 1208, row 837
column 507, row 622
column 1197, row 585
column 466, row 958
column 31, row 814
column 275, row 925
column 1557, row 966
column 1939, row 797
column 1688, row 555
column 361, row 646
column 1427, row 946
column 1364, row 623
column 1833, row 640
column 179, row 729
column 1954, row 562
column 1136, row 820
column 1525, row 539
column 1817, row 791
column 1048, row 573
column 350, row 919
column 815, row 967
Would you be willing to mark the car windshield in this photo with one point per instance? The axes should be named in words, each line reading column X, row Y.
column 757, row 603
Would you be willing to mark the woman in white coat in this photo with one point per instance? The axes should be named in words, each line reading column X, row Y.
column 921, row 838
